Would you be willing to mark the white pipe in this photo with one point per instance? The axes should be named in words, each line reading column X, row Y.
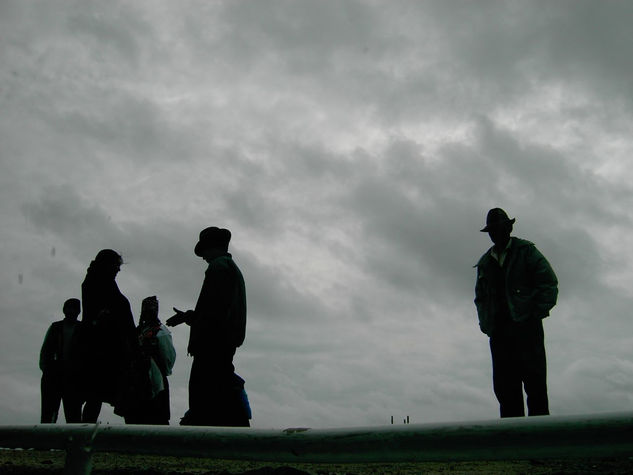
column 605, row 435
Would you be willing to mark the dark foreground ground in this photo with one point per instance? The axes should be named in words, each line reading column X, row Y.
column 52, row 462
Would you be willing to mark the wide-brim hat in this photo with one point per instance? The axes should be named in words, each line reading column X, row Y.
column 495, row 218
column 212, row 237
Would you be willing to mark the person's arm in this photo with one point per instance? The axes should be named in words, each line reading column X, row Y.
column 47, row 352
column 481, row 301
column 180, row 317
column 214, row 300
column 544, row 281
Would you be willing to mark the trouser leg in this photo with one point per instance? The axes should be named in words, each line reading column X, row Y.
column 506, row 378
column 91, row 411
column 162, row 403
column 160, row 409
column 208, row 377
column 534, row 368
column 72, row 408
column 51, row 393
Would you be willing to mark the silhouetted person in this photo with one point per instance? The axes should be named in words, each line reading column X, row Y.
column 58, row 362
column 159, row 356
column 218, row 327
column 108, row 337
column 516, row 288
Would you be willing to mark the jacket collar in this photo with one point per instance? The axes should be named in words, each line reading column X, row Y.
column 516, row 244
column 226, row 255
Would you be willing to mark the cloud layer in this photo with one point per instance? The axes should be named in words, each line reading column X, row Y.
column 353, row 148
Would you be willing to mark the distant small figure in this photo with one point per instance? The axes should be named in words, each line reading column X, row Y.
column 218, row 328
column 58, row 362
column 109, row 340
column 159, row 355
column 516, row 288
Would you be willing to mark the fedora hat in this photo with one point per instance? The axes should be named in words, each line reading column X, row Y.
column 212, row 237
column 495, row 218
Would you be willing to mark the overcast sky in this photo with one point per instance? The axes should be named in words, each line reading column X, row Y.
column 353, row 148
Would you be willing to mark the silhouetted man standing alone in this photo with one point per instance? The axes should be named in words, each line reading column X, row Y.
column 59, row 365
column 516, row 288
column 218, row 328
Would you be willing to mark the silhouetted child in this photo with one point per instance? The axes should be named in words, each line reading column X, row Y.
column 158, row 355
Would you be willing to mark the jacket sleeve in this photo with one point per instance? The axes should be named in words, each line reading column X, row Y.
column 482, row 303
column 47, row 353
column 544, row 282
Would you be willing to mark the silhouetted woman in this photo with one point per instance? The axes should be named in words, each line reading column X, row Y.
column 109, row 336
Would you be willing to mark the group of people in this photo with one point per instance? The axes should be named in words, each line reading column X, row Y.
column 106, row 358
column 127, row 366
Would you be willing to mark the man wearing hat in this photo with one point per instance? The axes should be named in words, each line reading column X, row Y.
column 218, row 328
column 516, row 288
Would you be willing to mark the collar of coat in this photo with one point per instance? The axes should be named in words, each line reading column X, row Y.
column 226, row 255
column 517, row 243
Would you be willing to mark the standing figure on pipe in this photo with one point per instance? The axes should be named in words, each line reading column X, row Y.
column 58, row 362
column 109, row 341
column 218, row 328
column 516, row 289
column 157, row 360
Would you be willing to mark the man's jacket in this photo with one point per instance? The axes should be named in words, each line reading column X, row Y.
column 531, row 286
column 219, row 319
column 56, row 353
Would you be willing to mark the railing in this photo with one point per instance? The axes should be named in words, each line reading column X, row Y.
column 605, row 435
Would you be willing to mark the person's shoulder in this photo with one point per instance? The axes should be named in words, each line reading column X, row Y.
column 225, row 260
column 518, row 242
column 484, row 258
column 221, row 264
column 525, row 247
